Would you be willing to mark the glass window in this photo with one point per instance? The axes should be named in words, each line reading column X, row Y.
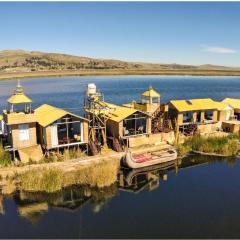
column 23, row 132
column 208, row 115
column 187, row 117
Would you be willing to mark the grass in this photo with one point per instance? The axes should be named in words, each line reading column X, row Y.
column 5, row 157
column 48, row 180
column 227, row 145
column 66, row 155
column 45, row 180
column 99, row 175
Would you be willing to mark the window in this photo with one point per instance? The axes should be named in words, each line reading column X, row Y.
column 208, row 115
column 136, row 124
column 23, row 132
column 187, row 117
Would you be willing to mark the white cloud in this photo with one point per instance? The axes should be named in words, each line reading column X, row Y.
column 219, row 50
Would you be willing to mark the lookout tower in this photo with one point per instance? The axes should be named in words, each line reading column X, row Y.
column 19, row 102
column 151, row 96
column 20, row 121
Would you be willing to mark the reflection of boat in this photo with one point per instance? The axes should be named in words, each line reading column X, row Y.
column 136, row 180
column 133, row 161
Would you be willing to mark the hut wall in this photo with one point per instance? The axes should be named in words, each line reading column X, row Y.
column 114, row 128
column 149, row 126
column 153, row 139
column 194, row 116
column 48, row 136
column 180, row 119
column 17, row 143
column 202, row 116
column 138, row 141
column 231, row 127
column 215, row 115
column 146, row 107
column 85, row 131
column 208, row 128
column 221, row 115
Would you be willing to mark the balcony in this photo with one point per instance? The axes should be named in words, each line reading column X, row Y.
column 11, row 118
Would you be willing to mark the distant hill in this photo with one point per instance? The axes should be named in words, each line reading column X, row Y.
column 23, row 64
column 25, row 61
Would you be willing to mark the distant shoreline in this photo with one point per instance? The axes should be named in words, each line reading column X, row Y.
column 16, row 75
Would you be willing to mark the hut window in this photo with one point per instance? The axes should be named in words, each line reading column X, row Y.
column 136, row 124
column 208, row 115
column 69, row 131
column 187, row 117
column 23, row 132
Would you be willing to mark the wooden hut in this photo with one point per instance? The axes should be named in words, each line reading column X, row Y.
column 193, row 114
column 19, row 124
column 58, row 128
column 124, row 123
column 151, row 104
column 235, row 104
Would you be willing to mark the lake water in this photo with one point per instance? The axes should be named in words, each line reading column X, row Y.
column 198, row 199
column 68, row 92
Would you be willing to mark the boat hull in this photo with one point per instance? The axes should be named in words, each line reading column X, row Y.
column 157, row 158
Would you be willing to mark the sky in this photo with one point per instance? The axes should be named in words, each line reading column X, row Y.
column 159, row 32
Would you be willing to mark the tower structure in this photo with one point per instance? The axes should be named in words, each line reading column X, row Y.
column 96, row 113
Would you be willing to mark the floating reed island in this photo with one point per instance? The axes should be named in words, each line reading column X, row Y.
column 147, row 130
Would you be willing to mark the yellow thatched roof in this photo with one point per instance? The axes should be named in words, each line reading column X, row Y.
column 129, row 105
column 196, row 104
column 233, row 102
column 114, row 112
column 19, row 98
column 47, row 114
column 151, row 93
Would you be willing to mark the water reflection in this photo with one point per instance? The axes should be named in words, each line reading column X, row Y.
column 33, row 206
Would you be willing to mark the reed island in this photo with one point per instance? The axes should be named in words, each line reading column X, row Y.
column 48, row 148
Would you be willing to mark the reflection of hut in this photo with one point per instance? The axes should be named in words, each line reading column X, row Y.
column 2, row 211
column 33, row 211
column 58, row 128
column 20, row 121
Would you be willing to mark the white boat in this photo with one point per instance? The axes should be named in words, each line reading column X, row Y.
column 133, row 161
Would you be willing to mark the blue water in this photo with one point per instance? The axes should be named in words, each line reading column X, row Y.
column 197, row 201
column 68, row 92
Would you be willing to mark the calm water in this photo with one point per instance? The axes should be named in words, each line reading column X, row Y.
column 199, row 199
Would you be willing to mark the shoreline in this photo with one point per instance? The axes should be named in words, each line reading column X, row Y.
column 11, row 76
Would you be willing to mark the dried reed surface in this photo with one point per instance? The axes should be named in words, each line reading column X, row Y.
column 49, row 180
column 226, row 145
column 98, row 175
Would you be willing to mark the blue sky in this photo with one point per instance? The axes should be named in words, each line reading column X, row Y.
column 161, row 32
